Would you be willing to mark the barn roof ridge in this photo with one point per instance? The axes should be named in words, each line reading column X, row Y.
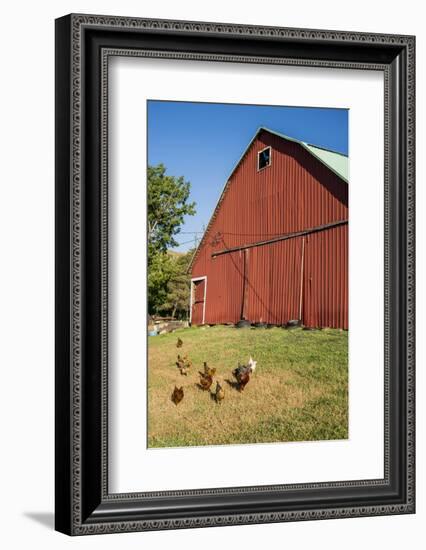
column 335, row 161
column 326, row 156
column 290, row 138
column 327, row 149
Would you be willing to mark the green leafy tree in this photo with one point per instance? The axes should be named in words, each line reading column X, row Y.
column 160, row 272
column 167, row 206
column 176, row 302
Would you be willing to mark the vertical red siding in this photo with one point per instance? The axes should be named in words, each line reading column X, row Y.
column 273, row 282
column 295, row 193
column 224, row 289
column 326, row 279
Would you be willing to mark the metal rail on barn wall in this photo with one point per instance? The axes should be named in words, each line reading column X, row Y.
column 281, row 238
column 306, row 317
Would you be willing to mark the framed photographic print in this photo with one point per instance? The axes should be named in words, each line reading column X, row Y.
column 234, row 274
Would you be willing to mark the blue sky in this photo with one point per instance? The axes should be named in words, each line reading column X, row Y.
column 203, row 142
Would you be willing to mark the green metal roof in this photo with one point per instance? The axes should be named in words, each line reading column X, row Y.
column 337, row 162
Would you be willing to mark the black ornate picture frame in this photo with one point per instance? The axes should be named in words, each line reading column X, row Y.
column 84, row 43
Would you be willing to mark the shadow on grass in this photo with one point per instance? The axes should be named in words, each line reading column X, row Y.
column 233, row 384
column 213, row 397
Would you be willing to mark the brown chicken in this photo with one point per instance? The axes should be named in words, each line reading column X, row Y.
column 208, row 371
column 242, row 376
column 220, row 393
column 187, row 361
column 244, row 379
column 177, row 395
column 183, row 364
column 205, row 380
column 179, row 343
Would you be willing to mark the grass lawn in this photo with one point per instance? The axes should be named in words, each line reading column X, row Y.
column 299, row 391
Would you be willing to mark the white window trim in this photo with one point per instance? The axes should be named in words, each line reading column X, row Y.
column 258, row 158
column 205, row 297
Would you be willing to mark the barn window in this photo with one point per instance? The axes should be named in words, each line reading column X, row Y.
column 264, row 158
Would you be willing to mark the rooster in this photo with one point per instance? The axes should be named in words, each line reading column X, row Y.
column 242, row 376
column 242, row 373
column 241, row 370
column 244, row 379
column 179, row 343
column 245, row 369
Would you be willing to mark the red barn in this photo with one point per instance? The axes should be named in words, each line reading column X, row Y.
column 276, row 247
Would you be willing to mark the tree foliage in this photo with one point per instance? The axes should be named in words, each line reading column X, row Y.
column 160, row 271
column 167, row 206
column 169, row 284
column 176, row 302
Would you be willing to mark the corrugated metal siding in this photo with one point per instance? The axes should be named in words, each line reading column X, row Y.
column 225, row 288
column 273, row 282
column 325, row 303
column 295, row 193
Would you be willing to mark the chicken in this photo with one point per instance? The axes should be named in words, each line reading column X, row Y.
column 183, row 364
column 220, row 393
column 243, row 379
column 242, row 376
column 177, row 395
column 187, row 361
column 179, row 343
column 245, row 369
column 208, row 371
column 205, row 380
column 241, row 370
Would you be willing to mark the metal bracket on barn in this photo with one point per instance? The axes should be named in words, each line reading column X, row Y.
column 284, row 237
